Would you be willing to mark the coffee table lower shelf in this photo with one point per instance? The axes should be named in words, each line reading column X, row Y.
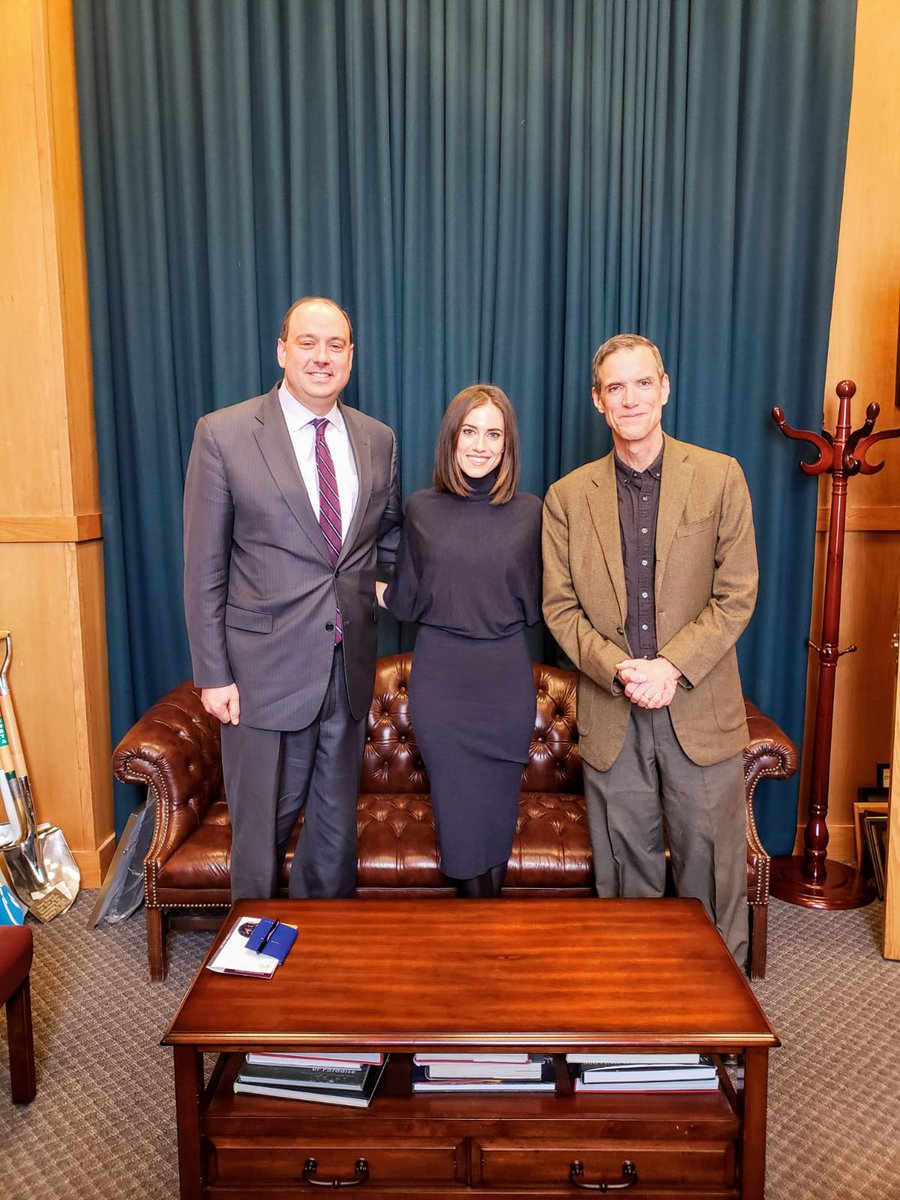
column 519, row 1146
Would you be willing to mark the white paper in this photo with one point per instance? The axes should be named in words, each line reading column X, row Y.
column 233, row 957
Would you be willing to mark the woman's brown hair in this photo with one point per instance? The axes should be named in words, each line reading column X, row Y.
column 448, row 475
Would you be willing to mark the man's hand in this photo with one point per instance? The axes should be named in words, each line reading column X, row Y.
column 380, row 589
column 648, row 682
column 223, row 703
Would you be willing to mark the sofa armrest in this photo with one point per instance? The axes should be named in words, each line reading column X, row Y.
column 769, row 754
column 174, row 750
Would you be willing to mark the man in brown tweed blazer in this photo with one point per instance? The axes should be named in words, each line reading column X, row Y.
column 650, row 577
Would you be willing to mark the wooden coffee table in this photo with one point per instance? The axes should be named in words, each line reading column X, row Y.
column 540, row 975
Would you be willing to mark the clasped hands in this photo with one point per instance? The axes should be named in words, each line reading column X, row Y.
column 648, row 682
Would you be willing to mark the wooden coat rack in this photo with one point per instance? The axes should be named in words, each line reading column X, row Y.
column 812, row 879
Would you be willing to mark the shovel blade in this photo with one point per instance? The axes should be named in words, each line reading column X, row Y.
column 60, row 867
column 54, row 894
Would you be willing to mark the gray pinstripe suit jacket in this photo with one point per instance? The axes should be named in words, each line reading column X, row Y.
column 259, row 588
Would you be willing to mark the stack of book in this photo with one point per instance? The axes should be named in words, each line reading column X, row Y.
column 650, row 1072
column 500, row 1072
column 323, row 1078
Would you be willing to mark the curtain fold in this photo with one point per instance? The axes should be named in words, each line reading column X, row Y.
column 491, row 188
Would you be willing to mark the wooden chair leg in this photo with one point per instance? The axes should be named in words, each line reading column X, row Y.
column 156, row 943
column 21, row 1044
column 759, row 923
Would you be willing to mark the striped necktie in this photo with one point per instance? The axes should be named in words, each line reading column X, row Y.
column 329, row 506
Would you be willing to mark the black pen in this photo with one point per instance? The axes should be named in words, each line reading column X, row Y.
column 262, row 945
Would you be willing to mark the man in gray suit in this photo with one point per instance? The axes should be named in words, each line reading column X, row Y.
column 289, row 500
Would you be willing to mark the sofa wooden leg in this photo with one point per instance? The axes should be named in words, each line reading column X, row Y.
column 156, row 943
column 759, row 922
column 21, row 1044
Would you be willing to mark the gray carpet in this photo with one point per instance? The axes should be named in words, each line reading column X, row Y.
column 102, row 1124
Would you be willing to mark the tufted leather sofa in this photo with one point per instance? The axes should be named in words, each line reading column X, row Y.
column 173, row 750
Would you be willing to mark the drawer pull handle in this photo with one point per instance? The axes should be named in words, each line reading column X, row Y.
column 629, row 1178
column 361, row 1171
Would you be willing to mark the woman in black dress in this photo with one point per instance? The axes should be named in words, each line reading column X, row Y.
column 468, row 571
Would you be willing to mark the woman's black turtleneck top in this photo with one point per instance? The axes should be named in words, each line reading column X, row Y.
column 467, row 566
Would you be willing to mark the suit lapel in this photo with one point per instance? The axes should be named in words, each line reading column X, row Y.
column 362, row 452
column 677, row 477
column 603, row 506
column 277, row 449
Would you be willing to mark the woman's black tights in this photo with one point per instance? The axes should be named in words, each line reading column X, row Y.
column 483, row 887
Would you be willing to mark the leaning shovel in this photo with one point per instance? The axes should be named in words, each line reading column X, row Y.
column 39, row 862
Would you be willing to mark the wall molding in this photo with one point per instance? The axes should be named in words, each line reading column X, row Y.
column 86, row 527
column 877, row 518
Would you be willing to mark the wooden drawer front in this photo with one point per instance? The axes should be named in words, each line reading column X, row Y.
column 690, row 1165
column 282, row 1159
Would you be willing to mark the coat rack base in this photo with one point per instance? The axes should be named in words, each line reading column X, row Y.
column 842, row 887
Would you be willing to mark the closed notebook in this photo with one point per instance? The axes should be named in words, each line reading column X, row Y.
column 273, row 938
column 657, row 1074
column 315, row 1095
column 503, row 1056
column 422, row 1082
column 687, row 1058
column 484, row 1068
column 336, row 1060
column 621, row 1086
column 352, row 1079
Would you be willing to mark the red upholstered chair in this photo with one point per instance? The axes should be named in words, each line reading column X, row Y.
column 16, row 950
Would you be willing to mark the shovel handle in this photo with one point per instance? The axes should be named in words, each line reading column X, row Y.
column 7, row 637
column 16, row 786
column 6, row 759
column 12, row 760
column 19, row 786
column 14, row 804
column 7, row 713
column 12, row 734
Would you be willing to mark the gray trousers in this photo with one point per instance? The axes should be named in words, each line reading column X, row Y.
column 653, row 791
column 270, row 775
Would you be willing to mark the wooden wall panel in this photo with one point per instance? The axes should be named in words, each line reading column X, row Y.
column 863, row 347
column 50, row 602
column 30, row 344
column 865, row 680
column 51, row 564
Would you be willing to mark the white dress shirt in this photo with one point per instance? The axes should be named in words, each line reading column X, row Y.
column 303, row 438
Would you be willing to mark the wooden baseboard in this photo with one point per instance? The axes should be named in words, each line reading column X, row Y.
column 93, row 864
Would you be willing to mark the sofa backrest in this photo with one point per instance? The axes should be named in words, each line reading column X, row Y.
column 391, row 762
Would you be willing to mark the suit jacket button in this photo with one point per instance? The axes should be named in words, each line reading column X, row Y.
column 330, row 626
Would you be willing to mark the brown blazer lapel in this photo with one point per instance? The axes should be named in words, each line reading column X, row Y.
column 603, row 506
column 677, row 478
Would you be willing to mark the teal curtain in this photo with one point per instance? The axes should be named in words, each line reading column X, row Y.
column 491, row 188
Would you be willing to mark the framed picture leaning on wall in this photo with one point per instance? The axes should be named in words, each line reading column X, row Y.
column 876, row 844
column 870, row 800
